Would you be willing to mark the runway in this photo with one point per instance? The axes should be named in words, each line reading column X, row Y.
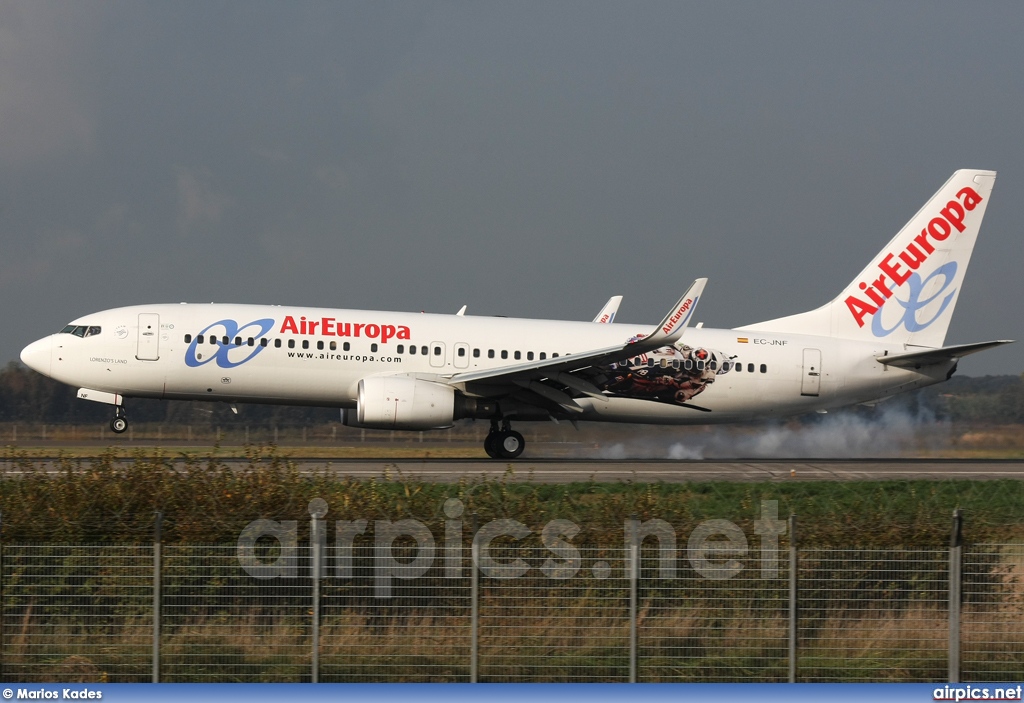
column 667, row 471
column 556, row 471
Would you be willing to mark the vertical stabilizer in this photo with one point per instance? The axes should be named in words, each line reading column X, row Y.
column 907, row 293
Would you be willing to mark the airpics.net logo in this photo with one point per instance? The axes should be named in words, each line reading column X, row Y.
column 406, row 549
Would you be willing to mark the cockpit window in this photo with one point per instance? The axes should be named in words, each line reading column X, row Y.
column 82, row 330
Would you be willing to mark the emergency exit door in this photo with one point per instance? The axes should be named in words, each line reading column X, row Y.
column 811, row 383
column 149, row 337
column 437, row 354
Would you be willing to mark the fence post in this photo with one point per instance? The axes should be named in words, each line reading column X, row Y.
column 793, row 604
column 634, row 576
column 955, row 594
column 157, row 543
column 474, row 607
column 317, row 509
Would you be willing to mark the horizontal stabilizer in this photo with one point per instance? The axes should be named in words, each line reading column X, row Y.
column 926, row 357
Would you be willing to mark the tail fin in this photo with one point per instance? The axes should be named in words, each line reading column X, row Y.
column 907, row 293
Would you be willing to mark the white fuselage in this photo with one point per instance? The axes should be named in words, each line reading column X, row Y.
column 316, row 356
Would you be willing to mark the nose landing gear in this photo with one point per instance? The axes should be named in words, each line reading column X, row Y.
column 120, row 423
column 504, row 443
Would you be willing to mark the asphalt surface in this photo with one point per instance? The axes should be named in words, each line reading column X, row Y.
column 641, row 470
column 667, row 471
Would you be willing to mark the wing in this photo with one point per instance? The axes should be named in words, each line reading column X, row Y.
column 549, row 380
column 607, row 314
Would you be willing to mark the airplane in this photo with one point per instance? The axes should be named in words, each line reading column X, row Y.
column 883, row 334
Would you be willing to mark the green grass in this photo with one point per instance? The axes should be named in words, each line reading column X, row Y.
column 204, row 500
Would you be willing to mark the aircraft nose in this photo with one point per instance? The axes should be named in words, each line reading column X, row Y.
column 37, row 355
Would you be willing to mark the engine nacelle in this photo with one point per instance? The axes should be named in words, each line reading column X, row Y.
column 402, row 403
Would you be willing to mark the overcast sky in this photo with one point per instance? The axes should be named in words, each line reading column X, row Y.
column 526, row 159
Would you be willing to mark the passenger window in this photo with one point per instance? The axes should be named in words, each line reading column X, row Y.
column 490, row 353
column 504, row 354
column 517, row 355
column 401, row 348
column 739, row 368
column 264, row 342
column 251, row 342
column 437, row 351
column 305, row 344
column 188, row 338
column 200, row 339
column 213, row 341
column 555, row 355
column 529, row 356
column 373, row 347
column 277, row 344
column 334, row 345
column 320, row 345
column 226, row 340
column 750, row 368
column 476, row 353
column 346, row 346
column 423, row 350
column 462, row 351
column 764, row 368
column 675, row 363
column 700, row 364
column 412, row 348
column 688, row 364
column 543, row 356
column 291, row 343
column 238, row 341
column 650, row 363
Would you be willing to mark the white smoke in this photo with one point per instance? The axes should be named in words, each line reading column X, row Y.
column 885, row 432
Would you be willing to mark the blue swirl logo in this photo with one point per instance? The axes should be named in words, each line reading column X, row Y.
column 913, row 303
column 223, row 353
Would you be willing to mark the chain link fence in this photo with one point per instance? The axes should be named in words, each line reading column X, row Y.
column 191, row 612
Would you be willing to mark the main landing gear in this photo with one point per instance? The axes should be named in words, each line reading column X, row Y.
column 504, row 443
column 120, row 423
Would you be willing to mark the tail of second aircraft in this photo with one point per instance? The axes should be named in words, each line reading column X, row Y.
column 907, row 293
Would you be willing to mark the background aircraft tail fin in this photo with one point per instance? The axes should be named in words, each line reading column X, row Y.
column 907, row 293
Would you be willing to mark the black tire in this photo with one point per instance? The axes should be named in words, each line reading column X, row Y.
column 511, row 444
column 118, row 425
column 491, row 445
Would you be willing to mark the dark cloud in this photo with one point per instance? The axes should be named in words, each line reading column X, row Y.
column 530, row 159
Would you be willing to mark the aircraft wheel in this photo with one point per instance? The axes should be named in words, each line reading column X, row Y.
column 119, row 424
column 511, row 444
column 491, row 445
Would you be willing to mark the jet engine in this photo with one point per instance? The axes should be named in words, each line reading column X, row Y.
column 402, row 403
